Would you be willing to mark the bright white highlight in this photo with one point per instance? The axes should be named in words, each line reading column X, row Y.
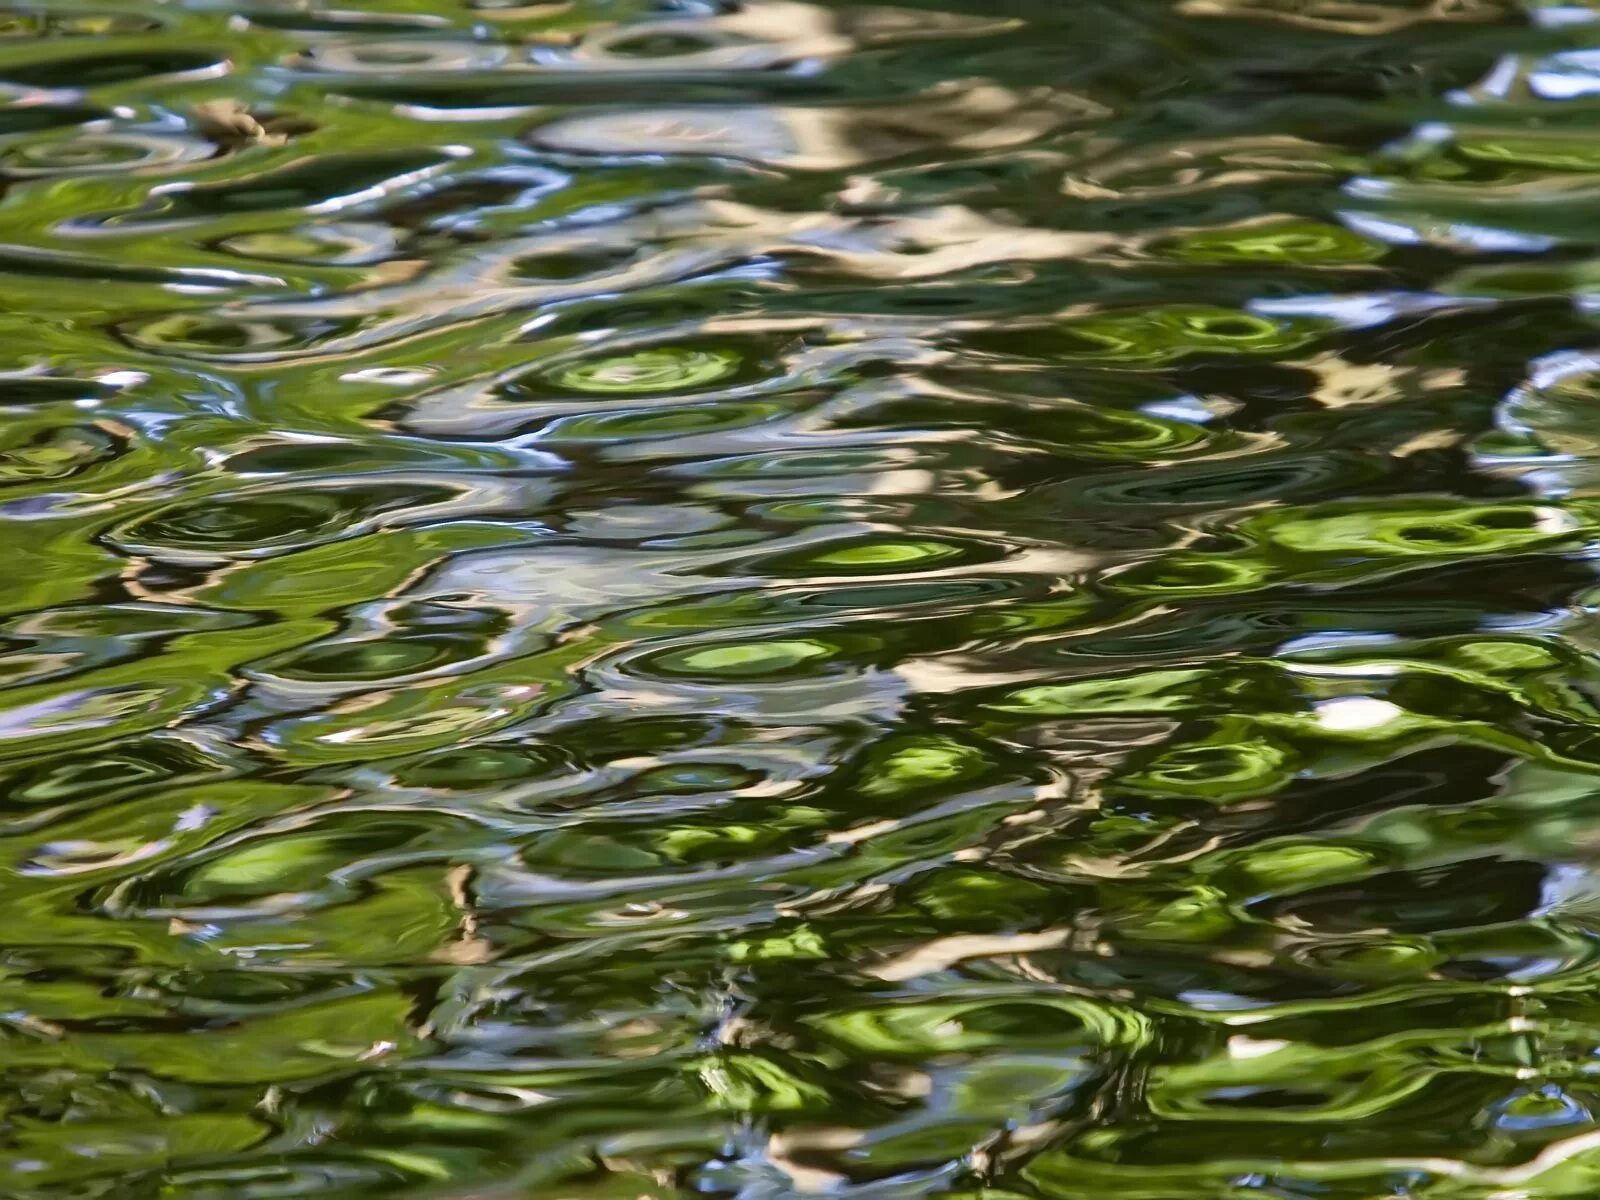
column 1351, row 714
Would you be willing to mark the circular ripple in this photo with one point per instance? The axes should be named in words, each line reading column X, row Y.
column 404, row 55
column 772, row 660
column 648, row 372
column 482, row 767
column 95, row 153
column 672, row 46
column 881, row 555
column 252, row 525
column 755, row 133
column 55, row 453
column 214, row 336
column 341, row 245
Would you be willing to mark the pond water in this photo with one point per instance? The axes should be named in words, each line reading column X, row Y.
column 635, row 599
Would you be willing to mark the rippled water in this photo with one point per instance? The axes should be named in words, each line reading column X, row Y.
column 616, row 600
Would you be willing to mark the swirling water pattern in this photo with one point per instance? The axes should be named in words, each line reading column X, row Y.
column 625, row 599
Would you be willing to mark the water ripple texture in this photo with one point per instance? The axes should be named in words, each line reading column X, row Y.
column 750, row 599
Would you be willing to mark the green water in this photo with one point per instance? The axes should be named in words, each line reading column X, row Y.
column 647, row 599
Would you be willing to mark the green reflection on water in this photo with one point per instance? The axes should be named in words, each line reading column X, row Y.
column 656, row 598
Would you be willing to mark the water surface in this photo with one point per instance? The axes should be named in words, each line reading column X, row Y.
column 625, row 600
